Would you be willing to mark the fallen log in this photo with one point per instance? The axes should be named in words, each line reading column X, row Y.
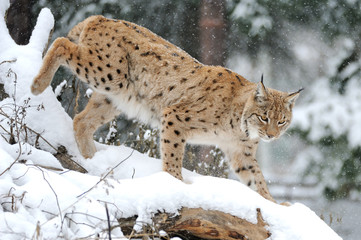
column 201, row 224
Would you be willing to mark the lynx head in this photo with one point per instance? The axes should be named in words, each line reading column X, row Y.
column 268, row 112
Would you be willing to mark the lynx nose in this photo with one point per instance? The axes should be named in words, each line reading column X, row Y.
column 270, row 136
column 272, row 133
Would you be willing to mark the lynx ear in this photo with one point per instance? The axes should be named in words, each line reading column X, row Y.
column 291, row 99
column 261, row 92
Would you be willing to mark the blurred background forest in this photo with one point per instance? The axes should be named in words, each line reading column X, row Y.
column 305, row 43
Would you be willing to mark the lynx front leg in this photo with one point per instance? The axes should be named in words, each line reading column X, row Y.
column 98, row 111
column 245, row 165
column 61, row 50
column 172, row 143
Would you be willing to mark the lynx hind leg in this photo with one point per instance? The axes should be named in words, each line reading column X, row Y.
column 75, row 32
column 245, row 165
column 58, row 53
column 98, row 111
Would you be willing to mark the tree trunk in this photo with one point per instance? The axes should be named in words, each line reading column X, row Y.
column 212, row 36
column 201, row 224
column 19, row 20
column 212, row 32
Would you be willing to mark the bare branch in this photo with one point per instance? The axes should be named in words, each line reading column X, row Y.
column 8, row 61
column 106, row 175
column 56, row 196
column 108, row 220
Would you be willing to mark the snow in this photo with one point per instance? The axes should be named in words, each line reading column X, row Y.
column 325, row 111
column 59, row 88
column 337, row 116
column 40, row 199
column 255, row 13
column 39, row 38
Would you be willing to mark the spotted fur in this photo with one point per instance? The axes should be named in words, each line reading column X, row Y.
column 134, row 71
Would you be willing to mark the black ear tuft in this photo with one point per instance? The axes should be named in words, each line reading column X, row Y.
column 291, row 99
column 300, row 90
column 261, row 92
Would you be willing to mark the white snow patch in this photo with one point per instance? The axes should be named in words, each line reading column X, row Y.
column 60, row 88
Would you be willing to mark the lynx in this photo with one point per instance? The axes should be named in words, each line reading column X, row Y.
column 134, row 71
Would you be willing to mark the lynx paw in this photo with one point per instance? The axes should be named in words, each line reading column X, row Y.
column 36, row 87
column 286, row 204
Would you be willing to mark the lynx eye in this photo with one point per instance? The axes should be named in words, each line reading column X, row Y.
column 282, row 122
column 263, row 119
